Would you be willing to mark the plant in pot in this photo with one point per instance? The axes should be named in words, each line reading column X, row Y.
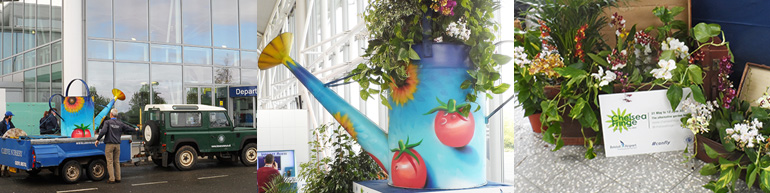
column 529, row 81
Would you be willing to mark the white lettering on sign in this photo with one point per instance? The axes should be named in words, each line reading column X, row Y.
column 20, row 163
column 219, row 146
column 12, row 152
column 246, row 91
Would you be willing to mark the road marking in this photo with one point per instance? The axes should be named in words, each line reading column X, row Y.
column 77, row 190
column 149, row 183
column 209, row 177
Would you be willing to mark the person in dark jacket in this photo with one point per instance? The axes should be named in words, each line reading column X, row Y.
column 112, row 129
column 6, row 124
column 49, row 124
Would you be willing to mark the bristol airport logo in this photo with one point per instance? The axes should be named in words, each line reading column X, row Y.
column 623, row 146
column 620, row 120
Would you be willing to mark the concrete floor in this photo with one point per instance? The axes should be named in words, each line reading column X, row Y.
column 537, row 169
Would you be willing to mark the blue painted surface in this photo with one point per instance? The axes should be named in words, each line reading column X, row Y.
column 243, row 91
column 746, row 25
column 382, row 186
column 440, row 76
column 17, row 153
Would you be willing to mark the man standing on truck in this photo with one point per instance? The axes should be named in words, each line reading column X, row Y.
column 113, row 128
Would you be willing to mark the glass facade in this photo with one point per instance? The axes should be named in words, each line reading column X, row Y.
column 168, row 51
column 30, row 55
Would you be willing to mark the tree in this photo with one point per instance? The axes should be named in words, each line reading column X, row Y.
column 137, row 102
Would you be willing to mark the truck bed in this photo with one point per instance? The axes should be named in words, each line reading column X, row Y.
column 50, row 150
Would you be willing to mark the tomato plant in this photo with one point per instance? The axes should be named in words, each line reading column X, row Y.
column 408, row 170
column 454, row 123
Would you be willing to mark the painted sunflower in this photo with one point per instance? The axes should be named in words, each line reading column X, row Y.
column 345, row 122
column 401, row 93
column 73, row 104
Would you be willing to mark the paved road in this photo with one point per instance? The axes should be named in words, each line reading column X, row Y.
column 209, row 176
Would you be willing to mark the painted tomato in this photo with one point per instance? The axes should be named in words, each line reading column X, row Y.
column 87, row 133
column 408, row 168
column 77, row 133
column 454, row 130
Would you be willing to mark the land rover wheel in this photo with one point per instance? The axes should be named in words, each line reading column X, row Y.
column 71, row 171
column 185, row 158
column 249, row 155
column 151, row 133
column 97, row 169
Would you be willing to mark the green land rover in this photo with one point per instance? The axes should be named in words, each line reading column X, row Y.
column 180, row 134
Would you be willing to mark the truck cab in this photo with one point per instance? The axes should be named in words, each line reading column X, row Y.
column 180, row 134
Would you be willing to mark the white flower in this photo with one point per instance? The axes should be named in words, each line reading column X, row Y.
column 679, row 48
column 520, row 57
column 605, row 77
column 746, row 134
column 666, row 66
column 458, row 30
column 700, row 115
column 764, row 101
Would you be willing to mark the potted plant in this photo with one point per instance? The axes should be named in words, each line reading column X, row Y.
column 639, row 60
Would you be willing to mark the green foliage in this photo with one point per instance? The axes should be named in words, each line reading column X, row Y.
column 280, row 184
column 334, row 165
column 396, row 25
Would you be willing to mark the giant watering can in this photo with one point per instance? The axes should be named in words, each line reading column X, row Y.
column 77, row 112
column 428, row 143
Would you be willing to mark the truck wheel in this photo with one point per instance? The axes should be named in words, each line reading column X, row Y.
column 97, row 169
column 151, row 133
column 33, row 171
column 71, row 172
column 185, row 158
column 249, row 155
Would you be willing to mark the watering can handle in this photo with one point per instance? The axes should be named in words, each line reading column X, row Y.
column 88, row 92
column 427, row 43
column 51, row 107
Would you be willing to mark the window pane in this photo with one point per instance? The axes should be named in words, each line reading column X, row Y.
column 226, row 57
column 131, row 51
column 131, row 20
column 197, row 75
column 43, row 21
column 185, row 119
column 8, row 43
column 43, row 83
column 249, row 59
column 193, row 55
column 196, row 22
column 249, row 76
column 29, row 22
column 56, row 87
column 218, row 119
column 227, row 76
column 165, row 21
column 192, row 96
column 98, row 18
column 8, row 66
column 134, row 82
column 29, row 86
column 19, row 36
column 56, row 51
column 43, row 55
column 249, row 28
column 169, row 84
column 29, row 59
column 206, row 96
column 164, row 53
column 56, row 20
column 99, row 49
column 18, row 63
column 99, row 78
column 225, row 23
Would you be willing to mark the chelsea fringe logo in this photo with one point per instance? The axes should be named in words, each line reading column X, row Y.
column 620, row 121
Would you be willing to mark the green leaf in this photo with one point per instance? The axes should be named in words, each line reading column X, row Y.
column 696, row 74
column 413, row 55
column 598, row 59
column 498, row 58
column 704, row 32
column 753, row 171
column 674, row 95
column 708, row 169
column 578, row 109
column 759, row 113
column 710, row 152
column 697, row 94
column 764, row 178
column 726, row 176
column 751, row 153
column 667, row 55
column 569, row 72
column 500, row 88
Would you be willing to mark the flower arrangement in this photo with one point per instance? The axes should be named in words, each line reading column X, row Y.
column 655, row 57
column 395, row 26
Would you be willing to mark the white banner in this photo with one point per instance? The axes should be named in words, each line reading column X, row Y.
column 642, row 122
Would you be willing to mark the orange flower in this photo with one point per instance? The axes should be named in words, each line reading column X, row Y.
column 73, row 104
column 345, row 122
column 403, row 93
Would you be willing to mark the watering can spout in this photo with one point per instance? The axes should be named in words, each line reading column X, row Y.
column 117, row 95
column 373, row 139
